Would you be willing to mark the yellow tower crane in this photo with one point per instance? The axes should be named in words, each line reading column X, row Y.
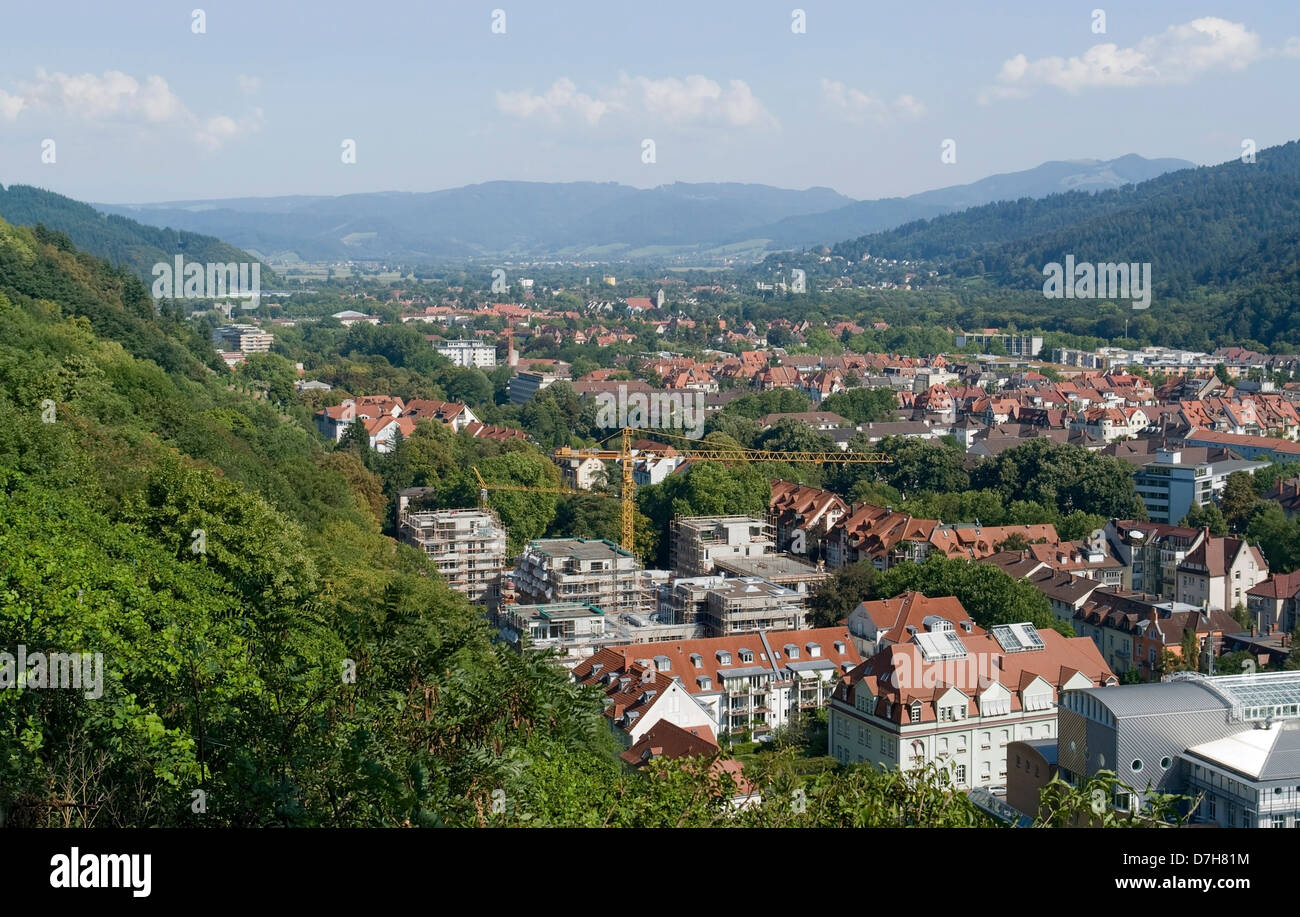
column 624, row 456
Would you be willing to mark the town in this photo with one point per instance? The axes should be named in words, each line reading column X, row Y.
column 725, row 635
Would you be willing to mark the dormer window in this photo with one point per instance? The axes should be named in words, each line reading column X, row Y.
column 914, row 712
column 791, row 651
column 705, row 682
column 697, row 660
column 724, row 658
column 814, row 650
column 839, row 646
column 746, row 656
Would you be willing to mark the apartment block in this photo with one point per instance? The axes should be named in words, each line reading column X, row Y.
column 574, row 630
column 593, row 572
column 959, row 698
column 524, row 385
column 747, row 684
column 243, row 338
column 749, row 604
column 468, row 353
column 698, row 542
column 467, row 545
column 1169, row 488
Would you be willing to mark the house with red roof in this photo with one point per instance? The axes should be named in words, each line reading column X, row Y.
column 958, row 699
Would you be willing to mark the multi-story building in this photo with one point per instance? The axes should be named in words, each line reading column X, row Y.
column 572, row 629
column 584, row 472
column 1232, row 738
column 1013, row 345
column 959, row 699
column 243, row 338
column 468, row 353
column 748, row 684
column 1169, row 488
column 594, row 572
column 637, row 696
column 803, row 514
column 467, row 545
column 685, row 600
column 876, row 625
column 1273, row 604
column 782, row 569
column 1219, row 572
column 1151, row 553
column 749, row 603
column 524, row 385
column 698, row 542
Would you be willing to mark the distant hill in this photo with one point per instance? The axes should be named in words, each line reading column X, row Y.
column 520, row 218
column 596, row 220
column 117, row 239
column 861, row 217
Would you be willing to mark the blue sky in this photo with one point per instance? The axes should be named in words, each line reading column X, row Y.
column 141, row 108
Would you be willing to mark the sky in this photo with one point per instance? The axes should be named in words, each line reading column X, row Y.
column 149, row 101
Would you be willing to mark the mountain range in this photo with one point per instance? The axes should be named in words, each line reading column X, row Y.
column 597, row 221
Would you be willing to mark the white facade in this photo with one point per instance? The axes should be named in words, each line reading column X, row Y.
column 468, row 353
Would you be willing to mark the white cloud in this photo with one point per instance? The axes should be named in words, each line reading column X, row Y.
column 250, row 84
column 117, row 96
column 562, row 98
column 10, row 106
column 1292, row 47
column 215, row 131
column 1177, row 55
column 677, row 101
column 857, row 106
column 698, row 98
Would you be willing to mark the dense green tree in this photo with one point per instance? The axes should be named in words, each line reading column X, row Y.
column 1238, row 500
column 863, row 405
column 1207, row 516
column 988, row 595
column 839, row 594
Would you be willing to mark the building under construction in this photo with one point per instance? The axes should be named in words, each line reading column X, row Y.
column 697, row 543
column 467, row 545
column 591, row 571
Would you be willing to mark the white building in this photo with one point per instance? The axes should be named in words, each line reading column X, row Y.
column 467, row 545
column 747, row 684
column 956, row 698
column 468, row 353
column 698, row 542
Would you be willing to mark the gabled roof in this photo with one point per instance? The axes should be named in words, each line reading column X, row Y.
column 668, row 740
column 1059, row 660
column 893, row 617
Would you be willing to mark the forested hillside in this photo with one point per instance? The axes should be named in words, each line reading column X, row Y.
column 120, row 240
column 1223, row 242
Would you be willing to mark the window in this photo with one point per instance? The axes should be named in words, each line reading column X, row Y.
column 959, row 773
column 914, row 712
column 1279, row 821
column 1136, row 765
column 1164, row 764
